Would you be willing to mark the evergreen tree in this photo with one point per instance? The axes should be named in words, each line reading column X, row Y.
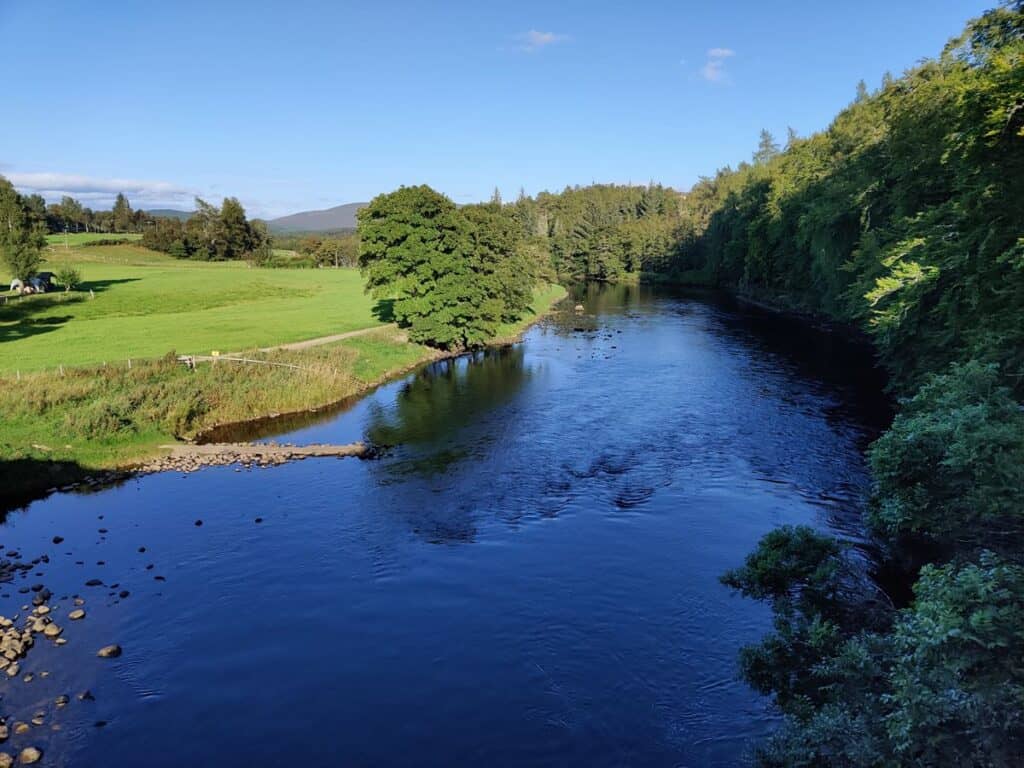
column 122, row 214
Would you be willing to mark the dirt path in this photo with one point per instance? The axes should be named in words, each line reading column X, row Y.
column 320, row 340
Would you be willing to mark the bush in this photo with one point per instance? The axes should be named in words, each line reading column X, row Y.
column 69, row 277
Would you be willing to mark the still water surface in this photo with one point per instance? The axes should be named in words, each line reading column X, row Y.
column 528, row 577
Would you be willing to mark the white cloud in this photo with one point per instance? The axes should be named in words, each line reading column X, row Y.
column 534, row 40
column 98, row 191
column 714, row 67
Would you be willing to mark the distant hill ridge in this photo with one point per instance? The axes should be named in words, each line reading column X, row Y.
column 339, row 217
column 170, row 213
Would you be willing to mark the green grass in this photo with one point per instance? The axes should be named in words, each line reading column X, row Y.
column 110, row 416
column 145, row 304
column 79, row 238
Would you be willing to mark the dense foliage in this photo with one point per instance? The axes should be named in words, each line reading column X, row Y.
column 453, row 275
column 22, row 233
column 603, row 232
column 211, row 234
column 905, row 217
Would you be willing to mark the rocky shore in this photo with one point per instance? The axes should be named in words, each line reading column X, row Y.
column 19, row 634
column 191, row 458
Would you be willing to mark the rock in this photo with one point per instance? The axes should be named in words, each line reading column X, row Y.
column 20, row 728
column 61, row 641
column 37, row 587
column 62, row 700
column 198, row 523
column 28, row 678
column 4, row 732
column 86, row 696
column 109, row 652
column 30, row 755
column 13, row 670
column 123, row 594
column 6, row 761
column 76, row 614
column 79, row 601
column 37, row 719
column 42, row 610
column 52, row 630
column 58, row 539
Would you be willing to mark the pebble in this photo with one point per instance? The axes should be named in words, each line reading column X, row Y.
column 37, row 719
column 79, row 601
column 109, row 652
column 58, row 539
column 76, row 614
column 93, row 583
column 86, row 696
column 123, row 594
column 13, row 670
column 52, row 630
column 30, row 755
column 61, row 641
column 198, row 523
column 42, row 610
column 62, row 700
column 20, row 728
column 6, row 761
column 4, row 732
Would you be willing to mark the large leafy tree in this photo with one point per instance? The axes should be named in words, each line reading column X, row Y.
column 415, row 249
column 21, row 237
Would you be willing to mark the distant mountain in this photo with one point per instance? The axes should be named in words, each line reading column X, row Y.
column 339, row 217
column 170, row 213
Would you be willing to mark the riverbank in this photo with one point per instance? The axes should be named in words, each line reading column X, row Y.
column 98, row 422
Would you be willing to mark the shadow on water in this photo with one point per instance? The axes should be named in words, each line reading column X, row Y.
column 23, row 481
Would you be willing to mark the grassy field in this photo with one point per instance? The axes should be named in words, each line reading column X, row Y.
column 72, row 239
column 102, row 414
column 135, row 303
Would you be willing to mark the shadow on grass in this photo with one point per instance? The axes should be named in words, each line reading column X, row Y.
column 384, row 310
column 19, row 316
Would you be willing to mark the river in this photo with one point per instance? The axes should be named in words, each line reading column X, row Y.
column 528, row 576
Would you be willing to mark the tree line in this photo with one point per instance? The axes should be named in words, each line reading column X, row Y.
column 212, row 234
column 904, row 217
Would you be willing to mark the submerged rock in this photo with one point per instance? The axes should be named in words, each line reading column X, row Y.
column 76, row 614
column 109, row 651
column 30, row 755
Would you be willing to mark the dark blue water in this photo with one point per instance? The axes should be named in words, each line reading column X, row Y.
column 528, row 577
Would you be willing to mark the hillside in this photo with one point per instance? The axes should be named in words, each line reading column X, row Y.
column 170, row 213
column 339, row 217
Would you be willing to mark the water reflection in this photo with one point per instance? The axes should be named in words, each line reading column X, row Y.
column 529, row 576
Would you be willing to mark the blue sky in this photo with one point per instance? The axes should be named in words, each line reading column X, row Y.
column 299, row 105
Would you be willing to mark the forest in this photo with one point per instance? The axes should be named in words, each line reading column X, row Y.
column 903, row 219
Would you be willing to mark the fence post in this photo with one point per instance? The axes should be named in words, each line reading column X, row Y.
column 62, row 370
column 129, row 363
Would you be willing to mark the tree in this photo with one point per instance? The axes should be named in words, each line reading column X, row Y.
column 122, row 211
column 236, row 236
column 21, row 239
column 69, row 277
column 767, row 148
column 415, row 250
column 499, row 258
